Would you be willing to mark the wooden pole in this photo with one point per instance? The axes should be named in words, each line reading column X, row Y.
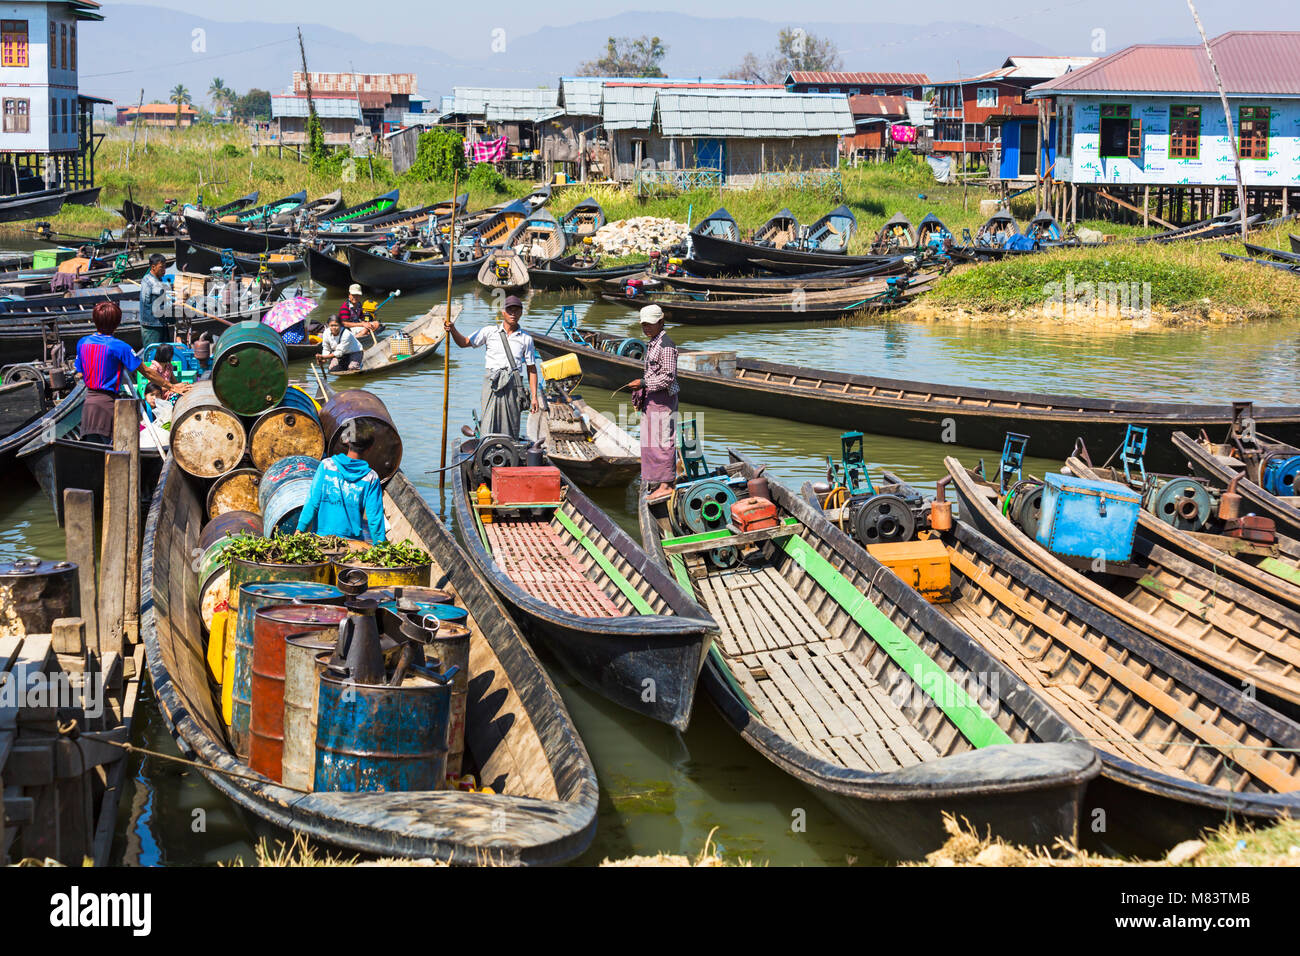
column 1227, row 115
column 79, row 533
column 126, row 438
column 446, row 339
column 112, row 554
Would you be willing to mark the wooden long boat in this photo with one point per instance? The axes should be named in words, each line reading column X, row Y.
column 832, row 232
column 325, row 206
column 1295, row 242
column 33, row 205
column 223, row 236
column 539, row 238
column 37, row 281
column 587, row 445
column 997, row 230
column 821, row 281
column 922, row 410
column 897, row 233
column 89, row 196
column 1169, row 733
column 267, row 212
column 328, row 266
column 1272, row 570
column 199, row 259
column 104, row 244
column 363, row 212
column 411, row 219
column 1043, row 227
column 1205, row 616
column 377, row 271
column 74, row 299
column 492, row 230
column 561, row 274
column 798, row 306
column 611, row 615
column 879, row 719
column 421, row 337
column 1220, row 463
column 28, row 410
column 518, row 733
column 931, row 231
column 584, row 219
column 742, row 256
column 504, row 269
column 1293, row 268
column 720, row 224
column 1264, row 252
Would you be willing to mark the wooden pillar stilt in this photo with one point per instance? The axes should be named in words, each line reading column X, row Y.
column 112, row 553
column 79, row 534
column 126, row 438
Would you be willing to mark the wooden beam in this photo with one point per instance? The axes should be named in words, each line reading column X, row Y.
column 1119, row 202
column 112, row 555
column 79, row 533
column 126, row 438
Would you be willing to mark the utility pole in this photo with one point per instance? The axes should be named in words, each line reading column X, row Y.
column 961, row 96
column 1227, row 115
column 311, row 105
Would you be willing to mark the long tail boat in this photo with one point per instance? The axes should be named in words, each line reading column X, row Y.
column 920, row 410
column 888, row 725
column 517, row 730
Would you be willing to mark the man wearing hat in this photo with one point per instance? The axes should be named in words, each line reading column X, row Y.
column 658, row 404
column 353, row 314
column 345, row 497
column 501, row 404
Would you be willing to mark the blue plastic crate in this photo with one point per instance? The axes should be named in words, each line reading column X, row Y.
column 1089, row 519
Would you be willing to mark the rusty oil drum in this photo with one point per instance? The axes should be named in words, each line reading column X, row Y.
column 276, row 584
column 250, row 367
column 35, row 593
column 230, row 522
column 291, row 428
column 414, row 576
column 271, row 627
column 207, row 439
column 372, row 420
column 373, row 737
column 235, row 491
column 448, row 646
column 305, row 658
column 214, row 576
column 283, row 492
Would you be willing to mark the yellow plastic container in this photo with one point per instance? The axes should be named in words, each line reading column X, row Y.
column 925, row 565
column 227, row 666
column 217, row 645
column 561, row 367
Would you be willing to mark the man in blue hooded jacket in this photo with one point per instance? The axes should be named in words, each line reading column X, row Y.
column 346, row 497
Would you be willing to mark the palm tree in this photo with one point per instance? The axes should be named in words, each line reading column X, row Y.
column 181, row 97
column 218, row 93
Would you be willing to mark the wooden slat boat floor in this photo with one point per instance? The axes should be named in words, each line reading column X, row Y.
column 617, row 560
column 801, row 680
column 539, row 561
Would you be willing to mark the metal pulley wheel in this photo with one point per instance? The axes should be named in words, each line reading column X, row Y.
column 1025, row 505
column 27, row 373
column 1279, row 474
column 1181, row 502
column 703, row 506
column 883, row 518
column 631, row 348
column 723, row 558
column 496, row 451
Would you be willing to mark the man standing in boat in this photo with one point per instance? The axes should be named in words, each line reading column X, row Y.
column 503, row 403
column 352, row 313
column 154, row 303
column 655, row 396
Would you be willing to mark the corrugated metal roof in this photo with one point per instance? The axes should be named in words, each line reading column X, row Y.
column 858, row 79
column 916, row 113
column 327, row 107
column 629, row 104
column 763, row 113
column 581, row 95
column 1250, row 63
column 864, row 105
column 506, row 103
column 1028, row 68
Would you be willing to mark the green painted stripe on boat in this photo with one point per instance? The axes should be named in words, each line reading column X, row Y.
column 624, row 585
column 683, row 577
column 714, row 535
column 1280, row 569
column 975, row 725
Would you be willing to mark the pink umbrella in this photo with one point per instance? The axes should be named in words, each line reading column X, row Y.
column 288, row 312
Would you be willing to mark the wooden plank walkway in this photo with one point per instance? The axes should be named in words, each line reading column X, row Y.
column 798, row 675
column 536, row 558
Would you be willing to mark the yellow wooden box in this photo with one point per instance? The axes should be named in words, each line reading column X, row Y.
column 924, row 565
column 561, row 367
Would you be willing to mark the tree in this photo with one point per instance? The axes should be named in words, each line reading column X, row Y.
column 796, row 49
column 220, row 94
column 253, row 105
column 181, row 97
column 628, row 56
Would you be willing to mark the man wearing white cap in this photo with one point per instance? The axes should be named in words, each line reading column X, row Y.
column 656, row 396
column 353, row 315
column 511, row 356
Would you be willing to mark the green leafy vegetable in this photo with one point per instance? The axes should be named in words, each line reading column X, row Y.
column 301, row 547
column 389, row 555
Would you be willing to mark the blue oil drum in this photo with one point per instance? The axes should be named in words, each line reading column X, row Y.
column 252, row 598
column 1280, row 475
column 283, row 492
column 372, row 737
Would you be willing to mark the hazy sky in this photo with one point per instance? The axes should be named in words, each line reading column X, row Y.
column 462, row 27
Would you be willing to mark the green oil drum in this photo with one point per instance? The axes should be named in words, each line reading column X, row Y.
column 250, row 368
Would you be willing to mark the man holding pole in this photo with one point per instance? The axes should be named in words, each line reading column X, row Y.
column 154, row 295
column 502, row 384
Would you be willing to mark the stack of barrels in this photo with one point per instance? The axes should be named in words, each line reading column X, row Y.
column 275, row 629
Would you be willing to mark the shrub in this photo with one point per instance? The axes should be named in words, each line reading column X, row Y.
column 229, row 151
column 485, row 177
column 439, row 155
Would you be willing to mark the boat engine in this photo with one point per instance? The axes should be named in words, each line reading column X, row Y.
column 875, row 516
column 496, row 451
column 631, row 348
column 702, row 506
column 1278, row 474
column 501, row 269
column 1184, row 503
column 1024, row 505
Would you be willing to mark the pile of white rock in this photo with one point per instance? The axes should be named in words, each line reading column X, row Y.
column 641, row 235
